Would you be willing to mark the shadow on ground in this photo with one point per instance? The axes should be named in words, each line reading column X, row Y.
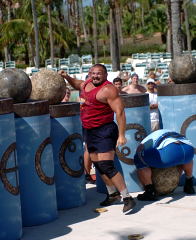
column 69, row 217
column 162, row 200
column 66, row 217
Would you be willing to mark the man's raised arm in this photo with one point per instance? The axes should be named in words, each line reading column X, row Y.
column 75, row 83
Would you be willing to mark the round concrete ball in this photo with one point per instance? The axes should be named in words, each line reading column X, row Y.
column 182, row 69
column 165, row 180
column 48, row 85
column 15, row 83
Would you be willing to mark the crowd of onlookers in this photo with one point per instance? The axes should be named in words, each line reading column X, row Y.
column 151, row 88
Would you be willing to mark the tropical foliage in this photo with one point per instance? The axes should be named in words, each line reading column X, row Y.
column 66, row 27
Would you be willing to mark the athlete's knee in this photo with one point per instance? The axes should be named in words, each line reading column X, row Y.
column 106, row 167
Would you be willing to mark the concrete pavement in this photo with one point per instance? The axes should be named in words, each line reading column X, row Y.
column 171, row 218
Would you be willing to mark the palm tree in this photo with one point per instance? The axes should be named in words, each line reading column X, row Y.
column 20, row 33
column 8, row 4
column 185, row 6
column 144, row 6
column 119, row 22
column 77, row 23
column 114, row 44
column 132, row 10
column 169, row 28
column 176, row 27
column 36, row 30
column 82, row 19
column 48, row 6
column 74, row 19
column 95, row 40
column 2, row 7
column 17, row 31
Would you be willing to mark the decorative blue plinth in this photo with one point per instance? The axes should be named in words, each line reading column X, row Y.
column 137, row 128
column 177, row 105
column 67, row 142
column 10, row 206
column 36, row 166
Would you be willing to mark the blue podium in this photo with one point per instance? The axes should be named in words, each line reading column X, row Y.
column 36, row 165
column 138, row 126
column 67, row 142
column 178, row 110
column 10, row 206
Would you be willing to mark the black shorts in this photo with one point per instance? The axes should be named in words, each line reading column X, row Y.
column 101, row 139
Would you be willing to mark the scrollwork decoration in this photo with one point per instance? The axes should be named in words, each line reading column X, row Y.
column 3, row 170
column 140, row 134
column 185, row 125
column 38, row 167
column 70, row 145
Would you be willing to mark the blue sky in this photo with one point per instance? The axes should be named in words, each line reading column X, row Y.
column 87, row 2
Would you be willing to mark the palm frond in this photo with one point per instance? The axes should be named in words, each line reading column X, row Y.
column 11, row 31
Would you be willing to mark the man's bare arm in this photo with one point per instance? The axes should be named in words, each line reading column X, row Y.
column 126, row 88
column 117, row 106
column 75, row 83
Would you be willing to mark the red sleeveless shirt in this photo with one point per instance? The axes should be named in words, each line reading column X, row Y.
column 93, row 112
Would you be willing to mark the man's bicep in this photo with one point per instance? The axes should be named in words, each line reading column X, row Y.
column 116, row 104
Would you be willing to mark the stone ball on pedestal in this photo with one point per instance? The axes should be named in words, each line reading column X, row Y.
column 15, row 83
column 165, row 180
column 48, row 85
column 182, row 69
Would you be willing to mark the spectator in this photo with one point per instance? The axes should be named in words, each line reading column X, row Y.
column 154, row 113
column 125, row 76
column 118, row 84
column 67, row 95
column 134, row 86
column 158, row 73
column 170, row 81
column 152, row 75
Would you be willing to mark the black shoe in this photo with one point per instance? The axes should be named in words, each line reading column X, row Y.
column 188, row 186
column 89, row 179
column 147, row 197
column 110, row 199
column 149, row 194
column 129, row 203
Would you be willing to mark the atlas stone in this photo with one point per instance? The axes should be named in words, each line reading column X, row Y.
column 182, row 69
column 165, row 180
column 16, row 84
column 48, row 85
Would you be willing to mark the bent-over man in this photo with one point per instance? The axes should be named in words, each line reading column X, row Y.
column 161, row 149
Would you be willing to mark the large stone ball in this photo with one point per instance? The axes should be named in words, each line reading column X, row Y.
column 165, row 180
column 15, row 83
column 48, row 85
column 182, row 69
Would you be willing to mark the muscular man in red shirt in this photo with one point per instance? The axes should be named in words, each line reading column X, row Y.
column 101, row 133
